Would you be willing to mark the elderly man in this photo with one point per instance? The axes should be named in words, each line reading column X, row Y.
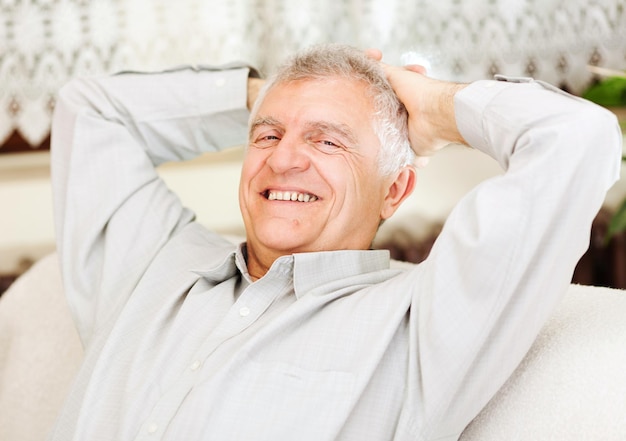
column 302, row 332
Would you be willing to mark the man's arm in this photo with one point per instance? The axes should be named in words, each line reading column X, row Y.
column 112, row 211
column 509, row 248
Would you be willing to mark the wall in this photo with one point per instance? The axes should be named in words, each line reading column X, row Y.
column 26, row 223
column 43, row 44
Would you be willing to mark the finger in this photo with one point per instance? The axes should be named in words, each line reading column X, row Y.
column 374, row 54
column 416, row 68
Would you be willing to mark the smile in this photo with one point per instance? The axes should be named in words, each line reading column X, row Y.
column 289, row 196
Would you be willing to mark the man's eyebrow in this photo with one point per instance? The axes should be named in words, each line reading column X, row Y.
column 343, row 130
column 263, row 121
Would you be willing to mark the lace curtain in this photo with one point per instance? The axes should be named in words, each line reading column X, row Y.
column 43, row 43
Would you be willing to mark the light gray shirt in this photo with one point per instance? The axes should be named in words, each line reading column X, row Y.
column 331, row 345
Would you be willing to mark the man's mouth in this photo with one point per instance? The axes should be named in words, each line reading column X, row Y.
column 273, row 195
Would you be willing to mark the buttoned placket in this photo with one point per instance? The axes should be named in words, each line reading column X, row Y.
column 246, row 310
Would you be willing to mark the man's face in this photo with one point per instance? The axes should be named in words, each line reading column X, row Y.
column 310, row 179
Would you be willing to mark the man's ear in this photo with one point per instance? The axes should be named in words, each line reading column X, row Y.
column 401, row 188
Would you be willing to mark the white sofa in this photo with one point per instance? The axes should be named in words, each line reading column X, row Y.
column 570, row 386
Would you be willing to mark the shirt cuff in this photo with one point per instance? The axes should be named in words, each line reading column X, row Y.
column 470, row 105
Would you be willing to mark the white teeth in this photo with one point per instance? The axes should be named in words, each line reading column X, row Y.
column 290, row 196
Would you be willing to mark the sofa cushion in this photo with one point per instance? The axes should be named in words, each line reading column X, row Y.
column 571, row 385
column 39, row 352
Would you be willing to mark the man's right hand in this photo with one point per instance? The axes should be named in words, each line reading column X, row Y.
column 430, row 104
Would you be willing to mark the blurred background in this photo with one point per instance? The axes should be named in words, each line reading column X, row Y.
column 44, row 43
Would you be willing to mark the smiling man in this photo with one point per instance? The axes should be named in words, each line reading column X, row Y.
column 302, row 332
column 310, row 170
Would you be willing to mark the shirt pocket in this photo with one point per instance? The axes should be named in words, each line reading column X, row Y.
column 280, row 401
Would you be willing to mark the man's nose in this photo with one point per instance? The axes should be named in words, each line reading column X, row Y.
column 289, row 155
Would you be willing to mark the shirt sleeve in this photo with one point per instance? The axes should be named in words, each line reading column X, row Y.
column 112, row 211
column 509, row 248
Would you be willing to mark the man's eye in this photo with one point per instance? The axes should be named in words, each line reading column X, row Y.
column 266, row 141
column 267, row 138
column 329, row 146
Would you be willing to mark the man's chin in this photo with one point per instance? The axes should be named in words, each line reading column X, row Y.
column 283, row 240
column 281, row 234
column 284, row 245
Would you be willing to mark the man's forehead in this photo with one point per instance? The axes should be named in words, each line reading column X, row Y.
column 336, row 91
column 345, row 83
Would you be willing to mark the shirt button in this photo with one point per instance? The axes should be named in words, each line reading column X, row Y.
column 195, row 365
column 244, row 312
column 152, row 428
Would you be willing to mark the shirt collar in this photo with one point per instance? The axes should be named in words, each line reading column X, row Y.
column 221, row 264
column 320, row 271
column 310, row 271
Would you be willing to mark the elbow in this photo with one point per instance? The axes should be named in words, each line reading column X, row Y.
column 598, row 141
column 71, row 101
column 76, row 95
column 75, row 99
column 600, row 130
column 580, row 142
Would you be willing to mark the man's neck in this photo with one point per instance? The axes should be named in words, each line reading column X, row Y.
column 259, row 263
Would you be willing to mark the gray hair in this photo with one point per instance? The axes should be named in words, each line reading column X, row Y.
column 390, row 116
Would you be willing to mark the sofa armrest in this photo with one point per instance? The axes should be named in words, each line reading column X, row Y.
column 571, row 384
column 39, row 352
